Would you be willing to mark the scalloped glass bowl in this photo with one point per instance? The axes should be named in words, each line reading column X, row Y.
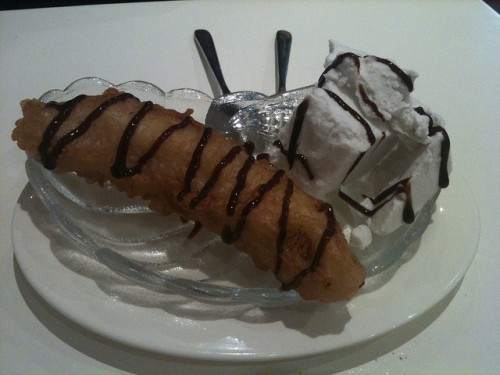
column 154, row 250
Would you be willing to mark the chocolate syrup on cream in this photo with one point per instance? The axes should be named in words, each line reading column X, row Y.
column 403, row 186
column 355, row 114
column 385, row 197
column 445, row 148
column 355, row 58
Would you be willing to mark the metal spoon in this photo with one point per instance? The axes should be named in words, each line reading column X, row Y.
column 226, row 105
column 205, row 42
column 283, row 47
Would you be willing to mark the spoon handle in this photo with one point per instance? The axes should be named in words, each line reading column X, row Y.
column 206, row 43
column 283, row 47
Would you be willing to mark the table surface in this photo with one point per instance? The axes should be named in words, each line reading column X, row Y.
column 453, row 45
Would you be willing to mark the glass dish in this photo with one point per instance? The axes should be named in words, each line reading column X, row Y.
column 153, row 250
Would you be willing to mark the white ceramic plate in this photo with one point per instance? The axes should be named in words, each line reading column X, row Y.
column 89, row 294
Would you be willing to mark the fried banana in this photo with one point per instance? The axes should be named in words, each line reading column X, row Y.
column 180, row 166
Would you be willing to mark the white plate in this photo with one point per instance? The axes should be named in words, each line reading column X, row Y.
column 86, row 293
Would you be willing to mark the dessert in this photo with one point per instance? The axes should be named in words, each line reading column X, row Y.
column 359, row 142
column 362, row 142
column 178, row 165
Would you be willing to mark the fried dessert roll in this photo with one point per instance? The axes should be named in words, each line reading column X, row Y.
column 180, row 166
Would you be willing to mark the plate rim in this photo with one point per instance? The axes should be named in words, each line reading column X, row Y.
column 23, row 257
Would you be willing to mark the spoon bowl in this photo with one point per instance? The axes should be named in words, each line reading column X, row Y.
column 224, row 107
column 262, row 120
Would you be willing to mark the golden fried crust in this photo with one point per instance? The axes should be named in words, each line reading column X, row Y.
column 338, row 275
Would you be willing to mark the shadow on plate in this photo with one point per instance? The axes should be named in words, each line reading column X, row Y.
column 143, row 362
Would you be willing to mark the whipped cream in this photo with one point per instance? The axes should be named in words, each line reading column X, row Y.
column 362, row 140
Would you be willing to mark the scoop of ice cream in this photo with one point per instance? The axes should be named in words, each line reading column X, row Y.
column 361, row 136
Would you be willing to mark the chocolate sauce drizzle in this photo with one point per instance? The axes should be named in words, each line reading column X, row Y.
column 403, row 186
column 291, row 154
column 397, row 70
column 262, row 156
column 336, row 62
column 194, row 164
column 355, row 114
column 444, row 180
column 49, row 156
column 301, row 157
column 327, row 234
column 241, row 180
column 370, row 102
column 230, row 156
column 196, row 228
column 356, row 58
column 354, row 165
column 282, row 222
column 119, row 169
column 229, row 235
column 296, row 129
